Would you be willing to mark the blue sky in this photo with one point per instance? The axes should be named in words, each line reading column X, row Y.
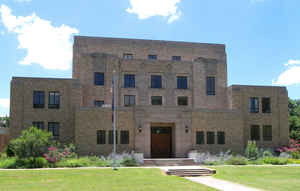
column 261, row 36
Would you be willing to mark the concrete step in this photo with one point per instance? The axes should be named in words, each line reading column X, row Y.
column 169, row 162
column 191, row 172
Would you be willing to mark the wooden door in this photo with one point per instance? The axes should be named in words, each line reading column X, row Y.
column 161, row 142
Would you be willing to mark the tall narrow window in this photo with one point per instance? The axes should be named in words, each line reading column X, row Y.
column 38, row 124
column 129, row 81
column 267, row 133
column 266, row 104
column 129, row 100
column 128, row 56
column 99, row 79
column 124, row 137
column 210, row 86
column 199, row 137
column 156, row 100
column 111, row 137
column 181, row 82
column 255, row 133
column 38, row 99
column 53, row 127
column 176, row 58
column 182, row 100
column 210, row 137
column 98, row 103
column 101, row 137
column 156, row 81
column 221, row 137
column 152, row 57
column 54, row 100
column 254, row 105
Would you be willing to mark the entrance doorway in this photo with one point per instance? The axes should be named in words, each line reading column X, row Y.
column 161, row 142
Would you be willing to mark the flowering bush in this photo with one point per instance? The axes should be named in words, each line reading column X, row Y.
column 53, row 155
column 293, row 149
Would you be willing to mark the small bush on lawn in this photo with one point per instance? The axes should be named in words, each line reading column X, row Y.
column 8, row 163
column 214, row 163
column 31, row 162
column 293, row 161
column 275, row 160
column 259, row 161
column 9, row 150
column 251, row 151
column 129, row 161
column 81, row 162
column 238, row 160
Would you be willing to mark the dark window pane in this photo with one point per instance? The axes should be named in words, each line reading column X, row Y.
column 101, row 137
column 124, row 137
column 176, row 58
column 199, row 137
column 111, row 137
column 254, row 105
column 38, row 124
column 181, row 82
column 266, row 105
column 54, row 100
column 99, row 79
column 127, row 56
column 267, row 133
column 182, row 100
column 53, row 127
column 98, row 103
column 156, row 100
column 210, row 86
column 255, row 133
column 221, row 137
column 129, row 100
column 38, row 99
column 156, row 81
column 152, row 57
column 210, row 137
column 129, row 81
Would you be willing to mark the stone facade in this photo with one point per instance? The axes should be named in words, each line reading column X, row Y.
column 226, row 111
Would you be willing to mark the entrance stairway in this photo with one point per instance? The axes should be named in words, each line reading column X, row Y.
column 169, row 162
column 191, row 172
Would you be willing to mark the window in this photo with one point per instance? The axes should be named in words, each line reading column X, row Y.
column 101, row 137
column 54, row 100
column 156, row 81
column 176, row 58
column 156, row 100
column 127, row 56
column 99, row 79
column 111, row 137
column 129, row 81
column 181, row 82
column 152, row 57
column 124, row 137
column 254, row 133
column 221, row 137
column 182, row 100
column 254, row 105
column 53, row 127
column 267, row 132
column 98, row 103
column 129, row 100
column 38, row 99
column 266, row 105
column 210, row 137
column 199, row 137
column 210, row 86
column 38, row 124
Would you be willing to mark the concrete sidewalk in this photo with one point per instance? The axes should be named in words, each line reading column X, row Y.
column 220, row 184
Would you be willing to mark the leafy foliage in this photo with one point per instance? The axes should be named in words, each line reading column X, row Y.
column 237, row 160
column 294, row 118
column 251, row 151
column 5, row 120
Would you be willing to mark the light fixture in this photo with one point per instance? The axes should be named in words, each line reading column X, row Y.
column 186, row 129
column 140, row 128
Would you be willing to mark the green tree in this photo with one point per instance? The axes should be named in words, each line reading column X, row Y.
column 294, row 118
column 5, row 120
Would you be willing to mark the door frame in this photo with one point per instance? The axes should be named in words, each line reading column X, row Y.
column 170, row 126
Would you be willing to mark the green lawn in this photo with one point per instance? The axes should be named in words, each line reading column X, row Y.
column 273, row 178
column 125, row 179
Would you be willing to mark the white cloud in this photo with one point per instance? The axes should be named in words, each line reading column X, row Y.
column 45, row 44
column 290, row 76
column 149, row 8
column 4, row 103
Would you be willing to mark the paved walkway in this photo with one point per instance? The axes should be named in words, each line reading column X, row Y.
column 220, row 184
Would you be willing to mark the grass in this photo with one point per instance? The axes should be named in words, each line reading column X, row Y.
column 272, row 178
column 125, row 179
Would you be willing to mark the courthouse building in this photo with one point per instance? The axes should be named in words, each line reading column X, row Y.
column 172, row 98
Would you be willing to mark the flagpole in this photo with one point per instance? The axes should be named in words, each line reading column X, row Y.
column 114, row 122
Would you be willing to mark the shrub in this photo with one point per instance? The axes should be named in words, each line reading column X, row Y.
column 238, row 160
column 208, row 162
column 129, row 161
column 8, row 163
column 69, row 151
column 275, row 160
column 71, row 163
column 251, row 151
column 103, row 163
column 31, row 162
column 53, row 155
column 32, row 143
column 293, row 161
column 295, row 155
column 267, row 153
